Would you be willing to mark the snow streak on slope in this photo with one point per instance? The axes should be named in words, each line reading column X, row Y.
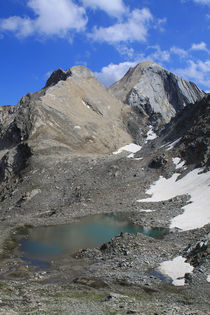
column 132, row 148
column 197, row 213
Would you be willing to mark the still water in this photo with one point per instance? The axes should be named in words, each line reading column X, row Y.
column 50, row 242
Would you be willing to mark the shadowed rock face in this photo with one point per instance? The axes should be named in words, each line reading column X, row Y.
column 57, row 76
column 156, row 90
column 192, row 126
column 14, row 161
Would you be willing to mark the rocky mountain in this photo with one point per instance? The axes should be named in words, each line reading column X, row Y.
column 191, row 128
column 75, row 149
column 73, row 113
column 150, row 88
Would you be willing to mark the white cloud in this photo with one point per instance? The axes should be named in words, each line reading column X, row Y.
column 114, row 8
column 179, row 51
column 21, row 26
column 160, row 24
column 200, row 46
column 207, row 2
column 198, row 71
column 113, row 72
column 52, row 17
column 158, row 55
column 134, row 29
column 125, row 51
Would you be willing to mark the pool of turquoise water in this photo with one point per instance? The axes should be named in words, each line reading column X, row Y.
column 44, row 243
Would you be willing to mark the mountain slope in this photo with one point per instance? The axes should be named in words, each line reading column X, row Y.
column 155, row 90
column 73, row 113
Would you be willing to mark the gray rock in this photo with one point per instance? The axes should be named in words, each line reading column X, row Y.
column 156, row 90
column 14, row 161
column 73, row 113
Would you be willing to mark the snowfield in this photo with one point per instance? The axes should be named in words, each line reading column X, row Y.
column 197, row 185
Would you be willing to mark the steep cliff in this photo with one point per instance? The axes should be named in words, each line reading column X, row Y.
column 153, row 89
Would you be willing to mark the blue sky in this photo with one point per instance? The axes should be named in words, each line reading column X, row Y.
column 107, row 36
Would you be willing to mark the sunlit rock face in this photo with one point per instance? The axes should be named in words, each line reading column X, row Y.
column 72, row 113
column 150, row 87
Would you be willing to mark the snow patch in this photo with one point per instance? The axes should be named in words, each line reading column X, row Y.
column 132, row 148
column 197, row 212
column 131, row 156
column 208, row 278
column 151, row 135
column 77, row 127
column 178, row 163
column 84, row 103
column 176, row 269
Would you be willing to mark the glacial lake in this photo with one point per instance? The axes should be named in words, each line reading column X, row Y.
column 45, row 243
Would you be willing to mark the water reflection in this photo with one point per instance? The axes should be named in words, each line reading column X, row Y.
column 52, row 241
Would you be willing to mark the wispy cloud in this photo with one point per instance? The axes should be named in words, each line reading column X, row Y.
column 158, row 55
column 160, row 24
column 196, row 71
column 125, row 51
column 206, row 2
column 182, row 53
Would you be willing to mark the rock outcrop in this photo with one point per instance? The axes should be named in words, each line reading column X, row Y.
column 192, row 127
column 57, row 76
column 14, row 161
column 152, row 89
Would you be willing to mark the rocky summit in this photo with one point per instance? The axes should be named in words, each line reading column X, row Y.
column 152, row 89
column 75, row 155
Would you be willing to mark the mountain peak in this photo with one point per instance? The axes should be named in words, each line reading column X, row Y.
column 150, row 87
column 57, row 76
column 81, row 72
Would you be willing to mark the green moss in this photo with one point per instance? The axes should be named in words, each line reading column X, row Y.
column 23, row 229
column 10, row 245
column 80, row 295
column 12, row 241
